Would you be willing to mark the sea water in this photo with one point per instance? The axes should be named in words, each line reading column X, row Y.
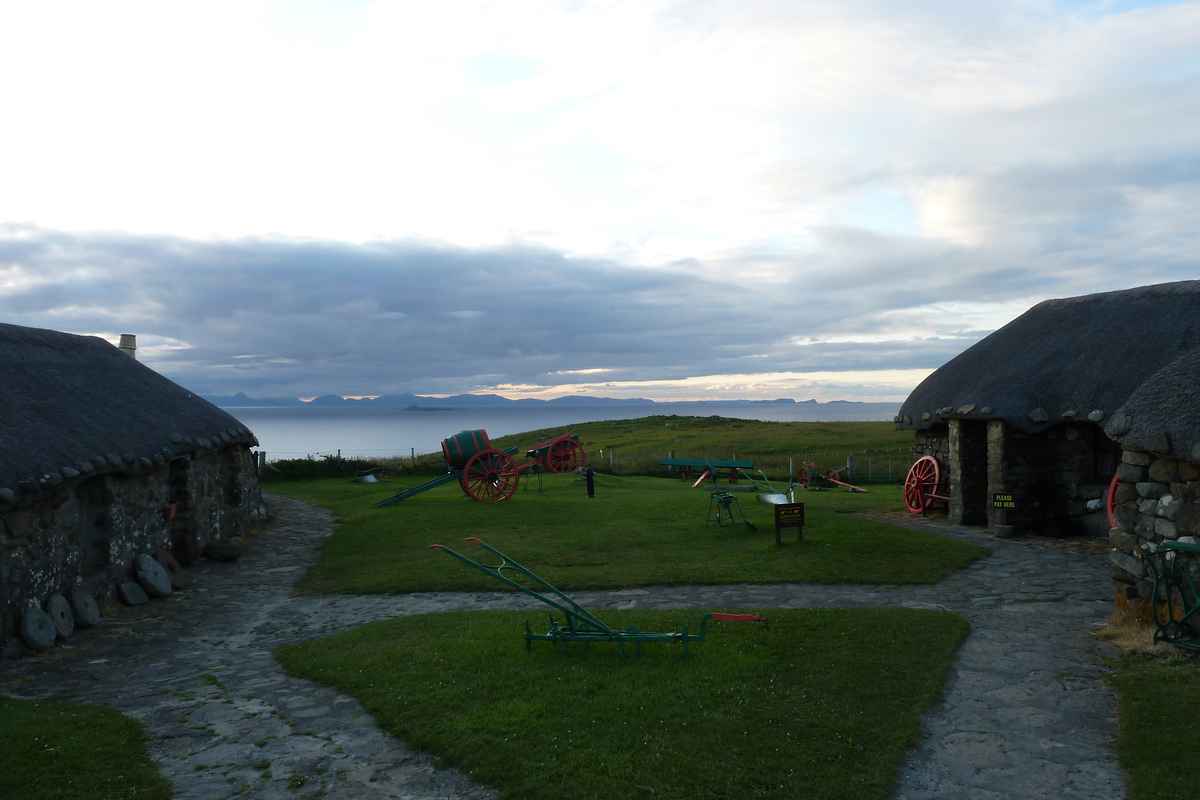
column 295, row 432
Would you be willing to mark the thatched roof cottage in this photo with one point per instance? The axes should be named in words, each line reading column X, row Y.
column 1079, row 407
column 101, row 460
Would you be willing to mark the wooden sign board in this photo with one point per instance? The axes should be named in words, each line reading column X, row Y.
column 789, row 515
column 1003, row 500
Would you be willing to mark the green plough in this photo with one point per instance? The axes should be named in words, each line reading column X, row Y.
column 579, row 624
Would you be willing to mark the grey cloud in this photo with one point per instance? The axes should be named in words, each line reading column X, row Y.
column 290, row 317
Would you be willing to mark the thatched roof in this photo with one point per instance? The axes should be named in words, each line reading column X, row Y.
column 1163, row 414
column 76, row 406
column 1075, row 358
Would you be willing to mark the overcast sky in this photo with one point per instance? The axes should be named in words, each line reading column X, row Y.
column 674, row 200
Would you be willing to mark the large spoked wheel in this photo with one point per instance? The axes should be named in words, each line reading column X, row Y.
column 1111, row 501
column 490, row 475
column 921, row 482
column 564, row 456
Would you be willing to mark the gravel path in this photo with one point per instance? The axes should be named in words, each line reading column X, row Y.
column 1025, row 714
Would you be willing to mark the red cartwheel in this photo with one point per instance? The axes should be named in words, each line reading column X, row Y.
column 921, row 483
column 564, row 456
column 1111, row 500
column 490, row 475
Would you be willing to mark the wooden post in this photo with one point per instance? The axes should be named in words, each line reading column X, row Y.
column 671, row 467
column 610, row 461
column 412, row 457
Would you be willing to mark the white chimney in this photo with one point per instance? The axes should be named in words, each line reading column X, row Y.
column 128, row 345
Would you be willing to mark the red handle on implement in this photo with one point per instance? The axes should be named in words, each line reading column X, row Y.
column 432, row 546
column 743, row 618
column 473, row 539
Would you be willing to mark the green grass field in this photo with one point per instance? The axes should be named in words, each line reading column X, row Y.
column 636, row 532
column 824, row 704
column 67, row 751
column 1159, row 717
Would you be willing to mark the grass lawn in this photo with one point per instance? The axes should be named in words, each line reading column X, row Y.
column 1159, row 716
column 63, row 751
column 637, row 532
column 822, row 705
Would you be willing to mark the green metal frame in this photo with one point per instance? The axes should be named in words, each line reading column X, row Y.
column 579, row 624
column 1173, row 579
column 725, row 504
column 765, row 486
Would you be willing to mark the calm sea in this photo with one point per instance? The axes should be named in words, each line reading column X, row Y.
column 385, row 432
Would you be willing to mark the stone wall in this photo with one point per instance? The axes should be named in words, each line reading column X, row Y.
column 967, row 465
column 87, row 532
column 1158, row 499
column 1058, row 478
column 934, row 442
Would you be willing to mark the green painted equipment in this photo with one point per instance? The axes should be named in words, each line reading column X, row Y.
column 1175, row 600
column 579, row 624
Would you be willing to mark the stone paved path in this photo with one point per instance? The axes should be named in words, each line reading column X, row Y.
column 1025, row 714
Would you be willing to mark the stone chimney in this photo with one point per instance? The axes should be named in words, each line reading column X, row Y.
column 128, row 345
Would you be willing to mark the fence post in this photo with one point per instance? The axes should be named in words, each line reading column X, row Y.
column 412, row 457
column 671, row 467
column 869, row 460
column 791, row 475
column 610, row 461
column 850, row 466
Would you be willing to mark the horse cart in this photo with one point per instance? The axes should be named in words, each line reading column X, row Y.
column 485, row 473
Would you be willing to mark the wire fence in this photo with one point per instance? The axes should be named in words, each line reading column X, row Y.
column 869, row 466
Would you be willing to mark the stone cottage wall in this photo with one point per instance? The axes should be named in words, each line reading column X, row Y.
column 934, row 442
column 1158, row 499
column 88, row 532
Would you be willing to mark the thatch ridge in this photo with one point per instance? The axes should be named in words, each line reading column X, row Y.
column 1163, row 414
column 1064, row 359
column 73, row 404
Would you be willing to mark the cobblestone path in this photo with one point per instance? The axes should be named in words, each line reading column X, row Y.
column 1025, row 714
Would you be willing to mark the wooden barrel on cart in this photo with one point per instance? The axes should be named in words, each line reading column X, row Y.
column 463, row 446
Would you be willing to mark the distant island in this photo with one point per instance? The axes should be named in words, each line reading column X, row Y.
column 413, row 402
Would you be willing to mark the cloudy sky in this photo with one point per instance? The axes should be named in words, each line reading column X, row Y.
column 672, row 199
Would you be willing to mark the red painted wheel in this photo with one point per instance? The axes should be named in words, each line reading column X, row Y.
column 564, row 456
column 807, row 472
column 922, row 481
column 490, row 475
column 1111, row 500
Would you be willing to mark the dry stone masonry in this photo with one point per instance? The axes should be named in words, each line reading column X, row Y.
column 1079, row 405
column 110, row 477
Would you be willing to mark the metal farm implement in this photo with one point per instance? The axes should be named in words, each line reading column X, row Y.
column 485, row 473
column 579, row 624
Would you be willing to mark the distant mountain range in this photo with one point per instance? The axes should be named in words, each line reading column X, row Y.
column 415, row 402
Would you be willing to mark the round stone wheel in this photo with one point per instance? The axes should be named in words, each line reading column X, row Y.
column 60, row 613
column 37, row 629
column 168, row 562
column 87, row 612
column 132, row 593
column 151, row 575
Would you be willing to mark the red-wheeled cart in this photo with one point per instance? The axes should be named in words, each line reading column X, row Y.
column 488, row 474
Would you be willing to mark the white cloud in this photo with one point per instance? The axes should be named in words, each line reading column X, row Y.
column 808, row 185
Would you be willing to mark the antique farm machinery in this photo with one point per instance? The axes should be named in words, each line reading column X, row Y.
column 809, row 474
column 579, row 624
column 485, row 473
column 924, row 484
